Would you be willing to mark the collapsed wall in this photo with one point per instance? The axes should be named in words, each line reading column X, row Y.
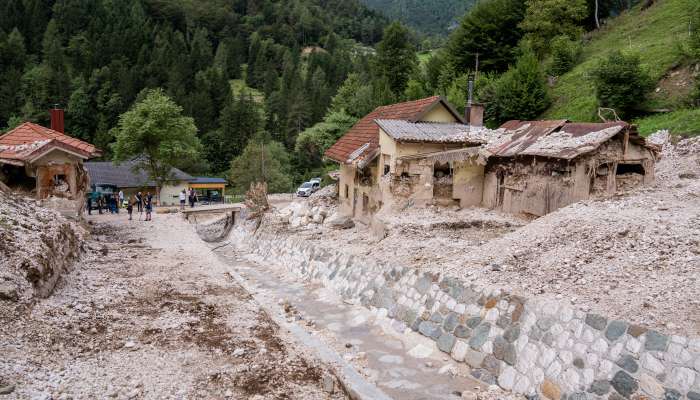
column 538, row 346
column 37, row 246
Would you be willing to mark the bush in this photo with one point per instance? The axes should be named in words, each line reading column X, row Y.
column 565, row 55
column 621, row 83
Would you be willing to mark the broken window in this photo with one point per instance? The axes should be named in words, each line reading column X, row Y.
column 60, row 184
column 347, row 191
column 442, row 180
column 623, row 169
column 387, row 163
column 17, row 178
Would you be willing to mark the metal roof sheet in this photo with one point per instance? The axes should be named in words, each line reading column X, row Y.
column 556, row 139
column 433, row 132
column 367, row 131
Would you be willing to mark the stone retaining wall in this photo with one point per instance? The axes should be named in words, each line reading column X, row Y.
column 537, row 347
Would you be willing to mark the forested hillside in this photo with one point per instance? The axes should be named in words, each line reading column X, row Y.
column 433, row 17
column 94, row 58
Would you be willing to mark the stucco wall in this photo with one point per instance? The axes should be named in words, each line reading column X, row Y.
column 468, row 183
column 439, row 114
column 170, row 193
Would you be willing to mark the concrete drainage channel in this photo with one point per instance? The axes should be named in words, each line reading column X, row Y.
column 400, row 366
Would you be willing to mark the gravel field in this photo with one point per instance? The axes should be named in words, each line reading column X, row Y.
column 635, row 256
column 149, row 312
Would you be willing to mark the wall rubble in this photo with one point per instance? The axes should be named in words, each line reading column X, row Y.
column 541, row 347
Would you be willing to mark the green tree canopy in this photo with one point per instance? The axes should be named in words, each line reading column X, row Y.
column 491, row 30
column 262, row 161
column 547, row 19
column 353, row 97
column 521, row 92
column 396, row 57
column 155, row 132
column 621, row 83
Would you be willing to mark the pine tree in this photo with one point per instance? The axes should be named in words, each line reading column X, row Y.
column 396, row 57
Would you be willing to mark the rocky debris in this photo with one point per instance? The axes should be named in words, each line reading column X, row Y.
column 37, row 246
column 301, row 214
column 339, row 221
column 8, row 292
column 168, row 323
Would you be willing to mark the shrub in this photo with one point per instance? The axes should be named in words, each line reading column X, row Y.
column 621, row 83
column 565, row 55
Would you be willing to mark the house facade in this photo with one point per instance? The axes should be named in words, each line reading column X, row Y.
column 385, row 157
column 423, row 152
column 48, row 163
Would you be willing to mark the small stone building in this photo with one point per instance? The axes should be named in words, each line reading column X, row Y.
column 392, row 155
column 536, row 167
column 47, row 162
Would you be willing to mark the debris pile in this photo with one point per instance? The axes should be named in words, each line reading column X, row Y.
column 312, row 213
column 37, row 246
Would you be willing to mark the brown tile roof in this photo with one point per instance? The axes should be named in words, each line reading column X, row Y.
column 28, row 139
column 366, row 130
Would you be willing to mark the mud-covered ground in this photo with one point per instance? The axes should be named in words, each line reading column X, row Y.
column 150, row 313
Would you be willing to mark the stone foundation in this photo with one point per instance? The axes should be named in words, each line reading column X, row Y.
column 537, row 347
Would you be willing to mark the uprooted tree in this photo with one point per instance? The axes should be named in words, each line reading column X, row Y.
column 256, row 200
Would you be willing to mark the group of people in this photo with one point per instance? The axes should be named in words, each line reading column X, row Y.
column 114, row 201
column 188, row 195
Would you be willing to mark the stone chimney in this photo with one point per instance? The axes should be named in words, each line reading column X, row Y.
column 57, row 120
column 476, row 115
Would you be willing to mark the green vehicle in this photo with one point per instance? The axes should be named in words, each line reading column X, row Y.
column 98, row 190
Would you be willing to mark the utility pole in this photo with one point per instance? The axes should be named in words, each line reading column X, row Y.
column 476, row 69
column 262, row 160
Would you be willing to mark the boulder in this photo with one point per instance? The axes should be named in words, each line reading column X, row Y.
column 339, row 221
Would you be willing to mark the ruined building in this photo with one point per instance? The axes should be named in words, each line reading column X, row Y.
column 536, row 167
column 400, row 154
column 423, row 152
column 47, row 163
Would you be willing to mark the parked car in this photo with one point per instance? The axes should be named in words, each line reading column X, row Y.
column 307, row 188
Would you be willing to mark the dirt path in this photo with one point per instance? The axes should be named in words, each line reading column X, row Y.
column 150, row 313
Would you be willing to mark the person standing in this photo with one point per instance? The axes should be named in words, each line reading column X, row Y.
column 191, row 198
column 100, row 203
column 139, row 202
column 183, row 198
column 121, row 198
column 130, row 207
column 89, row 204
column 148, row 201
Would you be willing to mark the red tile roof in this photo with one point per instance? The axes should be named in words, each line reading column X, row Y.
column 26, row 140
column 367, row 131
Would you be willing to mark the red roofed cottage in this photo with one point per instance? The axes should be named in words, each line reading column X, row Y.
column 47, row 161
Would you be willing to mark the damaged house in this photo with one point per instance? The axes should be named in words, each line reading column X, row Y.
column 536, row 167
column 48, row 163
column 416, row 152
column 423, row 152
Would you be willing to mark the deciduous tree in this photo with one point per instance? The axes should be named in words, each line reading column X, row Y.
column 155, row 133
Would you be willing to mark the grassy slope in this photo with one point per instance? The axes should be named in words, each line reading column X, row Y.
column 654, row 34
column 682, row 122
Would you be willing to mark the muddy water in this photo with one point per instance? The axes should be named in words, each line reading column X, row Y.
column 404, row 366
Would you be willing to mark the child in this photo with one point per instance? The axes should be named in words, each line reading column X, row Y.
column 130, row 206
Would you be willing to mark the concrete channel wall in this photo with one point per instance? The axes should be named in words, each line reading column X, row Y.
column 537, row 347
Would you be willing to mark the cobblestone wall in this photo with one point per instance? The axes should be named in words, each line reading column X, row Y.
column 536, row 347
